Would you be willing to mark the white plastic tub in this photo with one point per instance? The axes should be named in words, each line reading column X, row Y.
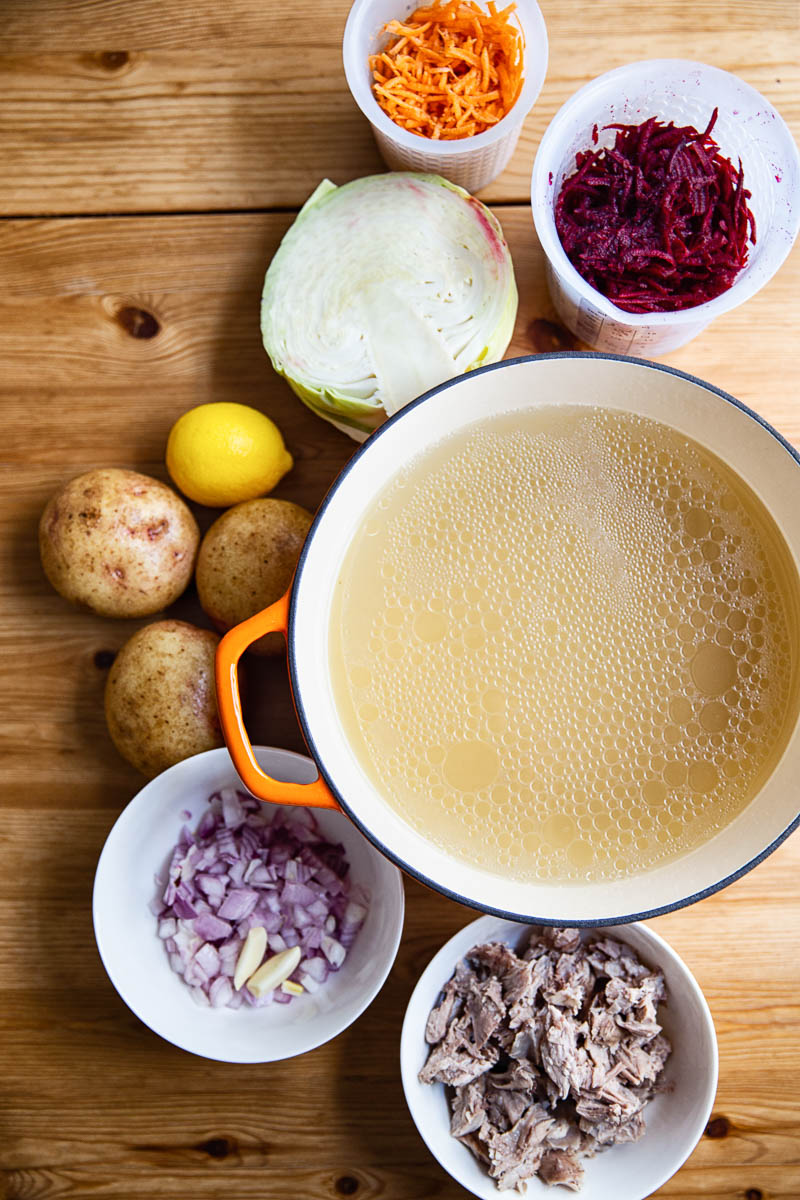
column 470, row 162
column 748, row 127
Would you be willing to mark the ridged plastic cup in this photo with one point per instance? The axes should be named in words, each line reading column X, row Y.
column 471, row 162
column 747, row 127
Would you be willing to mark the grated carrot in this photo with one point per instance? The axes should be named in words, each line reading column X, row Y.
column 452, row 70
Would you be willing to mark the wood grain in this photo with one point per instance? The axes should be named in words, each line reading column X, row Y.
column 104, row 397
column 240, row 111
column 73, row 1054
column 110, row 327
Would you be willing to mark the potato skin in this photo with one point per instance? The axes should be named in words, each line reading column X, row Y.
column 160, row 697
column 246, row 562
column 118, row 542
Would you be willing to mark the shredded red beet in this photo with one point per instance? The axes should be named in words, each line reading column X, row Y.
column 659, row 222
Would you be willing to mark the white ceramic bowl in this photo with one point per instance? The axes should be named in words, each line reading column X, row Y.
column 675, row 1118
column 747, row 128
column 139, row 847
column 471, row 162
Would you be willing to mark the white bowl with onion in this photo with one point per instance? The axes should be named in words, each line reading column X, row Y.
column 137, row 854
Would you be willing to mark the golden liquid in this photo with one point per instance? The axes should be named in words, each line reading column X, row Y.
column 564, row 644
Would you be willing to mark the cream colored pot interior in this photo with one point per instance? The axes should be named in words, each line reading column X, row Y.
column 734, row 435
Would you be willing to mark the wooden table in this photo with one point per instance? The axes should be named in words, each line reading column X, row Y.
column 152, row 154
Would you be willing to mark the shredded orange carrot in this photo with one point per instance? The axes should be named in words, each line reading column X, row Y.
column 452, row 70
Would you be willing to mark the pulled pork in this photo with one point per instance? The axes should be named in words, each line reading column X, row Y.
column 549, row 1056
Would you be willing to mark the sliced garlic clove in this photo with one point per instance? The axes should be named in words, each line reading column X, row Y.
column 274, row 971
column 291, row 988
column 250, row 955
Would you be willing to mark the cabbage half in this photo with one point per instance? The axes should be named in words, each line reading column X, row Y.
column 382, row 289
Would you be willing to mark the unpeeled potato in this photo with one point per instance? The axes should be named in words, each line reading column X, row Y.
column 118, row 542
column 160, row 697
column 246, row 562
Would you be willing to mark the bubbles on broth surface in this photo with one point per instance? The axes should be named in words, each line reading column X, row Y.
column 562, row 648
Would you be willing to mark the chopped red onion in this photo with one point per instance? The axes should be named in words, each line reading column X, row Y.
column 354, row 914
column 207, row 825
column 317, row 968
column 241, row 870
column 271, row 921
column 318, row 909
column 297, row 893
column 214, row 886
column 238, row 903
column 183, row 908
column 232, row 812
column 194, row 974
column 211, row 928
column 333, row 950
column 236, row 873
column 300, row 917
column 207, row 959
column 220, row 992
column 312, row 937
column 228, row 954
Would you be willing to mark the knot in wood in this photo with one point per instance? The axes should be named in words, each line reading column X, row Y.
column 218, row 1147
column 718, row 1127
column 546, row 336
column 114, row 60
column 138, row 322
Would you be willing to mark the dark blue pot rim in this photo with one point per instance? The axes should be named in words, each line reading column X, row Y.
column 533, row 918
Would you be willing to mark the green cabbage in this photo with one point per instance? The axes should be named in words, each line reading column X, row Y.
column 382, row 289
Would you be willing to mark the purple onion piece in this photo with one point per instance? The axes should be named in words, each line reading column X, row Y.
column 317, row 968
column 237, row 904
column 220, row 992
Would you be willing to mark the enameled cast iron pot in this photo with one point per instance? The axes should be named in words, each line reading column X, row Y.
column 758, row 454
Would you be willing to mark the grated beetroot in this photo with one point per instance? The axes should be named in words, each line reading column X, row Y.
column 658, row 222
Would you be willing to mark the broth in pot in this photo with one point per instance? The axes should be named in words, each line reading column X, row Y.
column 563, row 644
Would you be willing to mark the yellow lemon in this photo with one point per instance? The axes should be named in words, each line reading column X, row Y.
column 220, row 454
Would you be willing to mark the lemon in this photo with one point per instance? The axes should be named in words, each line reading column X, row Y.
column 220, row 454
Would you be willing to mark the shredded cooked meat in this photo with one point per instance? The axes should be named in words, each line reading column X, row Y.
column 561, row 1166
column 548, row 1056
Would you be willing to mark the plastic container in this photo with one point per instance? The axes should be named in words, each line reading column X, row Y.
column 471, row 162
column 748, row 127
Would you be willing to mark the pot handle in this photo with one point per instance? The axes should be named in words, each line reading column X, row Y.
column 231, row 648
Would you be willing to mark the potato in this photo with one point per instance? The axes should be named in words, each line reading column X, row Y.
column 160, row 697
column 247, row 560
column 119, row 543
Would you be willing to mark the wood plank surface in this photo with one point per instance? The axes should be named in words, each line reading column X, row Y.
column 237, row 110
column 110, row 327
